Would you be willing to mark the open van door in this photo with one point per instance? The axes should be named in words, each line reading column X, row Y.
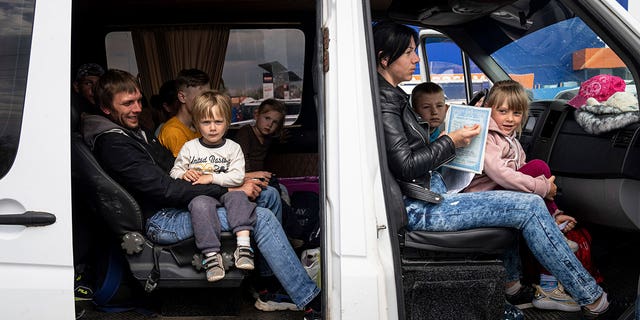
column 36, row 260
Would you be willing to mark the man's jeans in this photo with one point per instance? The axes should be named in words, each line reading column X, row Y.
column 172, row 225
column 523, row 211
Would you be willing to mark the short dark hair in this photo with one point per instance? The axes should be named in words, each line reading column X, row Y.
column 89, row 69
column 191, row 78
column 113, row 82
column 391, row 39
column 168, row 93
column 425, row 88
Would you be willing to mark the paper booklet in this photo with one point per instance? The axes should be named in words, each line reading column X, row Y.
column 471, row 157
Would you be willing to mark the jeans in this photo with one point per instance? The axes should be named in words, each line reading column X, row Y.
column 523, row 211
column 173, row 225
column 169, row 225
column 270, row 198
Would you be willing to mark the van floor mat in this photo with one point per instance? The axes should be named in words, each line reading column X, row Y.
column 195, row 304
column 611, row 251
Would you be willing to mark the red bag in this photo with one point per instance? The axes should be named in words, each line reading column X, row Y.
column 582, row 237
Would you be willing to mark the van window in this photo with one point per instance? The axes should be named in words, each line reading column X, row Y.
column 15, row 44
column 445, row 67
column 259, row 64
column 120, row 53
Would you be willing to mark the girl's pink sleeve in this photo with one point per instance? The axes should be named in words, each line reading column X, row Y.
column 498, row 169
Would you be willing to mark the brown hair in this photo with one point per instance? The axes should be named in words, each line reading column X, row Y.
column 425, row 88
column 113, row 82
column 513, row 94
column 273, row 105
column 206, row 104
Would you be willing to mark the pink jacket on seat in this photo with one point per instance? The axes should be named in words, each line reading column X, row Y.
column 504, row 156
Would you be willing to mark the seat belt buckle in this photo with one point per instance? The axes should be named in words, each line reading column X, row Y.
column 151, row 283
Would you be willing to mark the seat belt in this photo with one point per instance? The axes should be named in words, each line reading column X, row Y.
column 154, row 274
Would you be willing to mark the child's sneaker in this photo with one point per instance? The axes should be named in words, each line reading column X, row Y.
column 572, row 244
column 554, row 300
column 214, row 266
column 244, row 258
column 268, row 301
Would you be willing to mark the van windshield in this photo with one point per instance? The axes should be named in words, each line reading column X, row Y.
column 553, row 61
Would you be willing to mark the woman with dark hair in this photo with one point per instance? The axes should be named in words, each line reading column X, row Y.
column 412, row 159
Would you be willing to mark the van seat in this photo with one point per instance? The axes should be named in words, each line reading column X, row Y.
column 462, row 265
column 109, row 202
column 480, row 240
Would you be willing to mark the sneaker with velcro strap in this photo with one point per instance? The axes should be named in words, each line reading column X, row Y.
column 214, row 267
column 243, row 257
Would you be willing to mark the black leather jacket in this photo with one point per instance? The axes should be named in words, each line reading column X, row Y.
column 410, row 155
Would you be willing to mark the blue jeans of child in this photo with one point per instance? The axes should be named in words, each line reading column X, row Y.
column 173, row 225
column 523, row 211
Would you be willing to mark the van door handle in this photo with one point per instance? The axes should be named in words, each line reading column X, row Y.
column 28, row 219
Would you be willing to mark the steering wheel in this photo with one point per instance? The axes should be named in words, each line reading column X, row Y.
column 477, row 96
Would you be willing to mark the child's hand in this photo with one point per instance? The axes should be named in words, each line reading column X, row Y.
column 204, row 179
column 284, row 136
column 570, row 222
column 553, row 190
column 191, row 175
column 463, row 136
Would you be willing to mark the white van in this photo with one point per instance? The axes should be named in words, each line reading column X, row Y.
column 372, row 268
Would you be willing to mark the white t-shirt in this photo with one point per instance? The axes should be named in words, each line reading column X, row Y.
column 224, row 161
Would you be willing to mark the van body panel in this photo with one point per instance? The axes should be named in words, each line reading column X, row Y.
column 361, row 274
column 36, row 265
column 358, row 273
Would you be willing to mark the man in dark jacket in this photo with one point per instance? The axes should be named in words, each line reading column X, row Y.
column 140, row 164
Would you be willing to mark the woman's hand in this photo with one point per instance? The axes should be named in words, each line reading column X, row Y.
column 463, row 136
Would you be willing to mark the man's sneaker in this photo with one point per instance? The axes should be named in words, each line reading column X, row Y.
column 244, row 258
column 554, row 300
column 311, row 314
column 511, row 312
column 81, row 290
column 274, row 302
column 524, row 295
column 214, row 266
